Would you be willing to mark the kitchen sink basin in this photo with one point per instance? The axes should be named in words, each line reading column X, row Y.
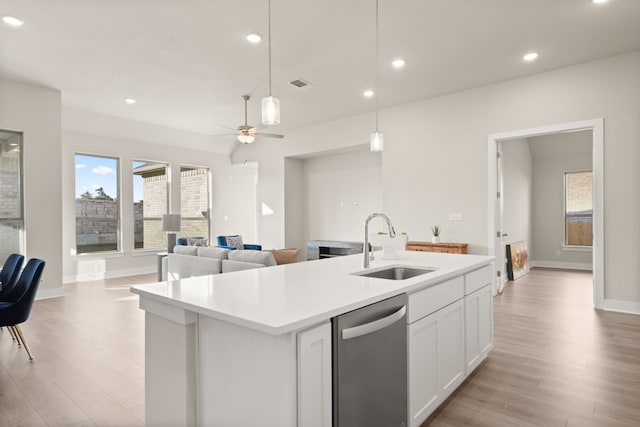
column 395, row 272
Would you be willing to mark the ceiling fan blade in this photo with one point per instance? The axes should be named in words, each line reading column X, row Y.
column 224, row 127
column 270, row 135
column 226, row 134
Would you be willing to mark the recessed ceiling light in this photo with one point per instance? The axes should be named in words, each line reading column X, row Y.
column 398, row 63
column 254, row 38
column 600, row 1
column 368, row 93
column 531, row 56
column 13, row 144
column 130, row 101
column 13, row 21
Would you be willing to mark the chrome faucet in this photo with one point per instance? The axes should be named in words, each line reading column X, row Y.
column 392, row 233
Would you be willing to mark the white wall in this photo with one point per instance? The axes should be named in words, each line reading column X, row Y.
column 553, row 156
column 233, row 201
column 518, row 192
column 295, row 209
column 36, row 112
column 435, row 158
column 341, row 191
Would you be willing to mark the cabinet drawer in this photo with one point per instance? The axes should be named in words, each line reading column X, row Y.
column 418, row 248
column 427, row 301
column 477, row 279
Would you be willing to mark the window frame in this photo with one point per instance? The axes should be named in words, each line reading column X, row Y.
column 119, row 251
column 565, row 216
column 20, row 219
column 167, row 170
column 209, row 197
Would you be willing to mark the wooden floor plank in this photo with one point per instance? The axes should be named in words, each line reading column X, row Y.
column 89, row 359
column 556, row 361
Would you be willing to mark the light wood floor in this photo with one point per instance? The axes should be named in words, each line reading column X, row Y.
column 89, row 359
column 556, row 361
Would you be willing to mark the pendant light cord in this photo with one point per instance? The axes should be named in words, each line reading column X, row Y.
column 269, row 31
column 377, row 68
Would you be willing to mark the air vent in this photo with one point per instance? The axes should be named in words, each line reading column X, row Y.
column 300, row 83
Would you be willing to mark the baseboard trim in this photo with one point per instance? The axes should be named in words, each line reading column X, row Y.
column 630, row 307
column 563, row 265
column 46, row 293
column 74, row 278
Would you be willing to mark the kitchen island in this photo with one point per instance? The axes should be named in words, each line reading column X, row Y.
column 254, row 347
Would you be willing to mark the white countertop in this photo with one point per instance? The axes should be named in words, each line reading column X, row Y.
column 287, row 298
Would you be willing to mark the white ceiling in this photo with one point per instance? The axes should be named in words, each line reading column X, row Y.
column 187, row 62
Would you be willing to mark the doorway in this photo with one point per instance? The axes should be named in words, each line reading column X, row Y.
column 496, row 238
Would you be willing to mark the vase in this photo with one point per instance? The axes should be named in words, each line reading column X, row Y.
column 435, row 239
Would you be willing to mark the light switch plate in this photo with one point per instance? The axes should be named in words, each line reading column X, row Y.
column 455, row 216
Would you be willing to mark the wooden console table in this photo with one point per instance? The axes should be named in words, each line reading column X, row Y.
column 450, row 248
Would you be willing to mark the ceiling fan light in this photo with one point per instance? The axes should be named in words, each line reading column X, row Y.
column 246, row 139
column 376, row 143
column 270, row 111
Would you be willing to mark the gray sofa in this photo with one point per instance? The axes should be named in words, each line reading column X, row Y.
column 190, row 261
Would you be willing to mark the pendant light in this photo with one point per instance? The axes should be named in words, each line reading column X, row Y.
column 270, row 104
column 376, row 142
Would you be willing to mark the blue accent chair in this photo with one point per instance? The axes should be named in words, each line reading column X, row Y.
column 223, row 243
column 10, row 272
column 14, row 313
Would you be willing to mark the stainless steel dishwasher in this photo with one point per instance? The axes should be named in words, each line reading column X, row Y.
column 370, row 365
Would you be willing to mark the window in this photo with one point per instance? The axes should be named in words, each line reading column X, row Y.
column 194, row 201
column 97, row 204
column 578, row 202
column 150, row 202
column 11, row 199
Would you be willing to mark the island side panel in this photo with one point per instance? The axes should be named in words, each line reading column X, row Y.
column 245, row 377
column 170, row 383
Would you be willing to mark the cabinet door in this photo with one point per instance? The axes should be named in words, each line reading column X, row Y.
column 436, row 360
column 314, row 377
column 479, row 326
column 422, row 341
column 450, row 348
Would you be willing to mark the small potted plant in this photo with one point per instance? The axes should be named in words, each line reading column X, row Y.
column 436, row 230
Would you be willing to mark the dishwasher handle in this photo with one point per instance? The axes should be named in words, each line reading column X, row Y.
column 374, row 326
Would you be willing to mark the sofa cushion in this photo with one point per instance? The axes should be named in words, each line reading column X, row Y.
column 185, row 250
column 219, row 253
column 235, row 241
column 228, row 265
column 258, row 257
column 197, row 241
column 182, row 266
column 286, row 256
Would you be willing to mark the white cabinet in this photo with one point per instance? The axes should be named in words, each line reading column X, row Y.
column 436, row 359
column 479, row 326
column 314, row 377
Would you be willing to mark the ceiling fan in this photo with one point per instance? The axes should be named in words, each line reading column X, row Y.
column 247, row 134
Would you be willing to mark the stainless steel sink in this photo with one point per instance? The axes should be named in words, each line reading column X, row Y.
column 395, row 272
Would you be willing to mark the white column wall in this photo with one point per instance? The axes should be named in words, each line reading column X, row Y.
column 36, row 112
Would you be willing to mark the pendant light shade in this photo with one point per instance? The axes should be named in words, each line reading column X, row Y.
column 270, row 105
column 270, row 110
column 376, row 142
column 246, row 139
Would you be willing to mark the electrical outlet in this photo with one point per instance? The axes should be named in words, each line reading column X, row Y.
column 455, row 216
